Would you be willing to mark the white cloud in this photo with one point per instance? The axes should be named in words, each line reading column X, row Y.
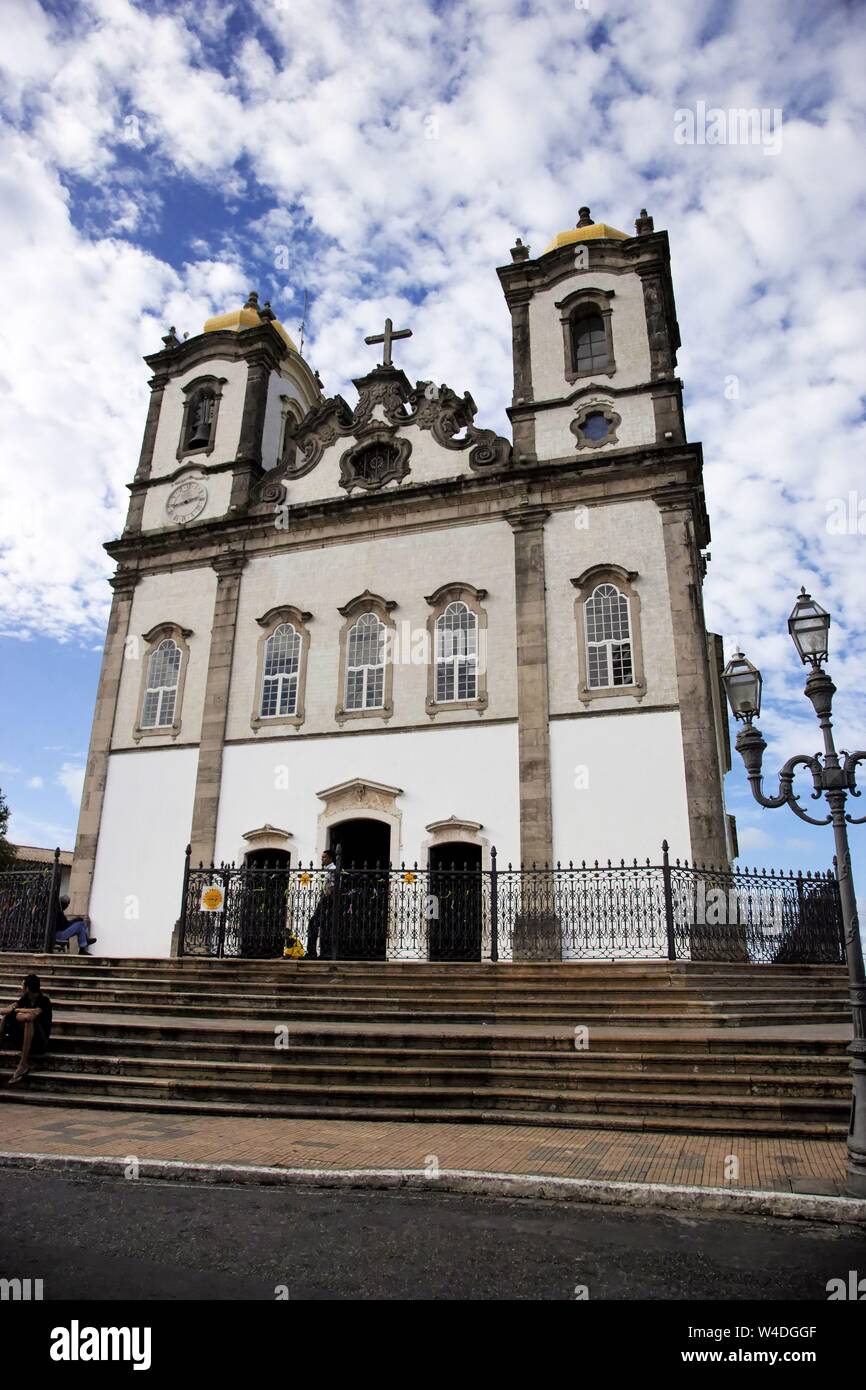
column 35, row 783
column 71, row 779
column 534, row 112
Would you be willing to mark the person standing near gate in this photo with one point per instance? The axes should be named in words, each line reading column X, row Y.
column 320, row 921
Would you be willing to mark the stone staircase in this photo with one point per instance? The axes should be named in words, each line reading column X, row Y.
column 706, row 1047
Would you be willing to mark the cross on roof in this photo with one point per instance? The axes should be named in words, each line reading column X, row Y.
column 387, row 338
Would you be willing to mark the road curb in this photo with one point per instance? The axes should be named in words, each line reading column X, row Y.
column 750, row 1202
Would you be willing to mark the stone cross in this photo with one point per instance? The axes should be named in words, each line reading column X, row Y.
column 387, row 338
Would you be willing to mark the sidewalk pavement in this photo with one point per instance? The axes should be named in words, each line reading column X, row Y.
column 775, row 1176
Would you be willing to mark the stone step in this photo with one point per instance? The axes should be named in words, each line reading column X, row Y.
column 69, row 992
column 673, row 1046
column 627, row 1121
column 381, row 1099
column 581, row 1014
column 832, row 1065
column 714, row 1042
column 292, row 1070
column 412, row 978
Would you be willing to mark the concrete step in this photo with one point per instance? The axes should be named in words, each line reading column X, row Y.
column 830, row 1065
column 378, row 1100
column 144, row 1030
column 673, row 1046
column 291, row 1069
column 799, row 1129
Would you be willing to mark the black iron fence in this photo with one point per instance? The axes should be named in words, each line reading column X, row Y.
column 631, row 911
column 28, row 903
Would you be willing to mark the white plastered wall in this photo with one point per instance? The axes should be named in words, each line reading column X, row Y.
column 554, row 437
column 618, row 787
column 469, row 772
column 219, row 491
column 401, row 567
column 184, row 597
column 143, row 833
column 279, row 385
column 231, row 409
column 628, row 534
column 628, row 326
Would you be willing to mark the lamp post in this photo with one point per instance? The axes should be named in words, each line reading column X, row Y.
column 809, row 626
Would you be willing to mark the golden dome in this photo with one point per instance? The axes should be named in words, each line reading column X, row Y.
column 250, row 316
column 586, row 230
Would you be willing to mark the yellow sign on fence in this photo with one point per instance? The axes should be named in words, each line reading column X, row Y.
column 212, row 898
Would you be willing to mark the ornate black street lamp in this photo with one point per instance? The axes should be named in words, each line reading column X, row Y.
column 809, row 626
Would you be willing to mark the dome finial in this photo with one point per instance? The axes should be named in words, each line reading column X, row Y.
column 583, row 218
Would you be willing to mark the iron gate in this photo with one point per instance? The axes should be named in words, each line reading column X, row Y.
column 28, row 902
column 632, row 911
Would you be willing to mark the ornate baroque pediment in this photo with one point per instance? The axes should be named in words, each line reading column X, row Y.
column 387, row 402
column 360, row 794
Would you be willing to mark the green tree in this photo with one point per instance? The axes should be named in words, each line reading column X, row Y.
column 7, row 851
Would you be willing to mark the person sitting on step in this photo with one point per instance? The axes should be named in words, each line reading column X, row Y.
column 65, row 927
column 26, row 1026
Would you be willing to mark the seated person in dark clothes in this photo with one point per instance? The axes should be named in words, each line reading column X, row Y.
column 64, row 927
column 26, row 1026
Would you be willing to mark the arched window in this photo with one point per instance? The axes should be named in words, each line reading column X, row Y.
column 365, row 664
column 589, row 351
column 281, row 667
column 200, row 411
column 608, row 638
column 456, row 654
column 160, row 695
column 201, row 408
column 457, row 643
column 282, row 661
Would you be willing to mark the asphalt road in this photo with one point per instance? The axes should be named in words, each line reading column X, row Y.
column 106, row 1238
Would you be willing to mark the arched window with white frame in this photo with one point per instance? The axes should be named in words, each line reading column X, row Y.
column 280, row 673
column 161, row 685
column 608, row 638
column 365, row 664
column 456, row 654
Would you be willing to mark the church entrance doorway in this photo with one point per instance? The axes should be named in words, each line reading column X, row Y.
column 262, row 916
column 455, row 885
column 363, row 907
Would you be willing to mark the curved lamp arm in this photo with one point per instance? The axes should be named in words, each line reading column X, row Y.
column 786, row 784
column 750, row 745
column 849, row 767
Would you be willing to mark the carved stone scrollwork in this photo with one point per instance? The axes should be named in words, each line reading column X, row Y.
column 440, row 410
column 387, row 402
column 374, row 461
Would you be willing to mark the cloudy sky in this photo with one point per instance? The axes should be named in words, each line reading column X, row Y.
column 161, row 159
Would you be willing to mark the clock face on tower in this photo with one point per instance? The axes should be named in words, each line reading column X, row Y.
column 186, row 501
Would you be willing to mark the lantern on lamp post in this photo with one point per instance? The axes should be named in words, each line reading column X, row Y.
column 809, row 626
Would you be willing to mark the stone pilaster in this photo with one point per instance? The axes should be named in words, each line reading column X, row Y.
column 697, row 715
column 533, row 724
column 210, row 754
column 96, row 773
column 248, row 464
column 138, row 487
column 523, row 422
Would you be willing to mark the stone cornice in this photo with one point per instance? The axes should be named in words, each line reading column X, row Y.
column 259, row 344
column 463, row 500
column 560, row 402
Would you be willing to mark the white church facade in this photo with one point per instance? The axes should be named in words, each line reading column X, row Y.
column 382, row 626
